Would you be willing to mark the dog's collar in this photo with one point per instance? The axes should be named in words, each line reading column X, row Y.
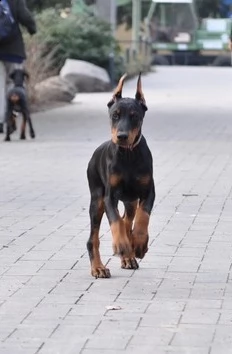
column 136, row 143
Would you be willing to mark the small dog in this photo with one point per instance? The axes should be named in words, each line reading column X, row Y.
column 17, row 102
column 122, row 170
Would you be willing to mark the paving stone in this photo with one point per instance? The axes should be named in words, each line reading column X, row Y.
column 223, row 334
column 217, row 349
column 6, row 349
column 118, row 340
column 201, row 316
column 151, row 337
column 100, row 351
column 203, row 304
column 168, row 350
column 180, row 300
column 193, row 336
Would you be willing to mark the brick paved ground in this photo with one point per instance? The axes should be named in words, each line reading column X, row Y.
column 180, row 301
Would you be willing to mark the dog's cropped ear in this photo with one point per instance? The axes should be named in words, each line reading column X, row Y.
column 139, row 94
column 118, row 91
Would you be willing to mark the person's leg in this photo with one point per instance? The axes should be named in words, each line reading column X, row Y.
column 10, row 67
column 2, row 94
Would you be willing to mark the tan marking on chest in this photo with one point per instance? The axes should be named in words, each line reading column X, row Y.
column 144, row 180
column 115, row 180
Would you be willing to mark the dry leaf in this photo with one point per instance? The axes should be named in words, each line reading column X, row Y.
column 113, row 307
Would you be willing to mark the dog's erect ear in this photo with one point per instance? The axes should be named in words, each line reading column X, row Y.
column 118, row 91
column 139, row 94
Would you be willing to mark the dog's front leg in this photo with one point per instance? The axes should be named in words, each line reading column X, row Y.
column 121, row 242
column 130, row 210
column 96, row 211
column 8, row 130
column 28, row 119
column 23, row 127
column 140, row 232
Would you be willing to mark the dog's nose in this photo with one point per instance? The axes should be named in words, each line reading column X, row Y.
column 122, row 136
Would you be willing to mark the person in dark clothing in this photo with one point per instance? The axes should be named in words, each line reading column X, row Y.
column 230, row 42
column 12, row 50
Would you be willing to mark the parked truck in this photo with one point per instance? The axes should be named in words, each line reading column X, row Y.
column 179, row 36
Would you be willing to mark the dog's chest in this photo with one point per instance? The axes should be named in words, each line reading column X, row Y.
column 130, row 186
column 17, row 108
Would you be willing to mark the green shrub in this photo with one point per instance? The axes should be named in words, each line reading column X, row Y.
column 78, row 37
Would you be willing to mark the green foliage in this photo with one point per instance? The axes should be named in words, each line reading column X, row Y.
column 44, row 4
column 77, row 37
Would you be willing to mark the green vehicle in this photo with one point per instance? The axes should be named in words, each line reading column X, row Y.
column 179, row 37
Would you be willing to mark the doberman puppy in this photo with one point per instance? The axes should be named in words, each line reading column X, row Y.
column 17, row 102
column 121, row 170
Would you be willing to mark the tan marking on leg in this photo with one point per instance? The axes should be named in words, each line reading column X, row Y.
column 128, row 219
column 140, row 233
column 121, row 243
column 98, row 270
column 101, row 207
column 129, row 262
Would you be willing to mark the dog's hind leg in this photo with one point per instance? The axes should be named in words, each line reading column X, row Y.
column 130, row 210
column 96, row 211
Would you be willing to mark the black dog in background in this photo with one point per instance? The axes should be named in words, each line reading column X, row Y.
column 17, row 102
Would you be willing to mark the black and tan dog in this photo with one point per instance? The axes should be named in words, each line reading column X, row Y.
column 17, row 102
column 121, row 170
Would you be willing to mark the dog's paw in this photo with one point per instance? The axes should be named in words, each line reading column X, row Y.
column 32, row 134
column 7, row 138
column 129, row 263
column 140, row 245
column 22, row 137
column 140, row 251
column 100, row 272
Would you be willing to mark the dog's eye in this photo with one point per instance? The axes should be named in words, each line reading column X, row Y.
column 133, row 116
column 115, row 116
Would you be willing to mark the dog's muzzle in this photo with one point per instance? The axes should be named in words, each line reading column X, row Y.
column 122, row 137
column 122, row 141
